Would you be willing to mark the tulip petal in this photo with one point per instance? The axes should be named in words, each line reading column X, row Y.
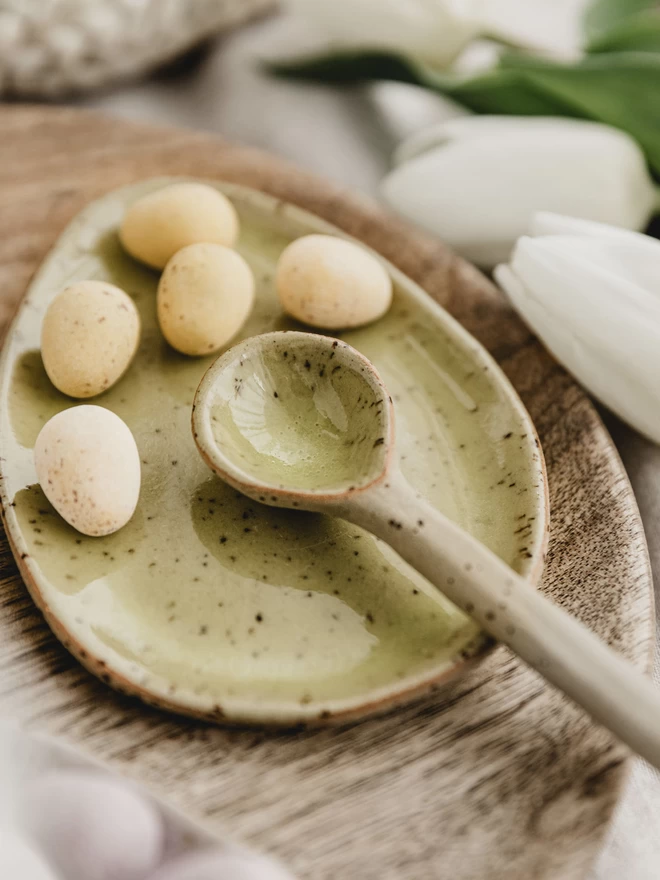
column 436, row 30
column 478, row 182
column 464, row 127
column 547, row 223
column 591, row 281
column 632, row 255
column 613, row 373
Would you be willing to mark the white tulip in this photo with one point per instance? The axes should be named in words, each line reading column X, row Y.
column 477, row 181
column 591, row 293
column 435, row 31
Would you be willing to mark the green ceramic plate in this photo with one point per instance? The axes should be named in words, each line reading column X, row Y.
column 212, row 605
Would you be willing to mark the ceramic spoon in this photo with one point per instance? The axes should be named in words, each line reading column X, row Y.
column 304, row 421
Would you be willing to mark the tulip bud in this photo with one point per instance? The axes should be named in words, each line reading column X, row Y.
column 591, row 293
column 433, row 30
column 477, row 181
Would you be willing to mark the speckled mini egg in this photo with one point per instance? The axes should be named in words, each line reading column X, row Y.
column 89, row 335
column 88, row 466
column 332, row 283
column 93, row 827
column 222, row 865
column 19, row 860
column 158, row 225
column 205, row 295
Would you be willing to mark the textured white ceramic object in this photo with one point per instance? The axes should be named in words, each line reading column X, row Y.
column 50, row 48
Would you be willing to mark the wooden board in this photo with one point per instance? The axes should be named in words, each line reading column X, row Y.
column 497, row 776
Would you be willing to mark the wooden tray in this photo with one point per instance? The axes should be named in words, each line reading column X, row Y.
column 497, row 777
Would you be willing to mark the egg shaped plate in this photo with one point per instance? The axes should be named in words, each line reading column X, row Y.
column 216, row 606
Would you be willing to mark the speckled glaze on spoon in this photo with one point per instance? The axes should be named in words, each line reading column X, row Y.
column 294, row 419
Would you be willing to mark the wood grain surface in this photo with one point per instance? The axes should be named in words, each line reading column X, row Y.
column 496, row 777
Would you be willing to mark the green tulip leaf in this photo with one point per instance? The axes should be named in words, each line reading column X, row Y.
column 603, row 17
column 621, row 89
column 353, row 67
column 641, row 34
column 496, row 91
column 623, row 26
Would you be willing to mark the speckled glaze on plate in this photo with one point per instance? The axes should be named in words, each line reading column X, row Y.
column 212, row 605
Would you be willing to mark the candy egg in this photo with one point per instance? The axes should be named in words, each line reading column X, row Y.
column 159, row 224
column 205, row 295
column 222, row 865
column 89, row 335
column 19, row 861
column 88, row 466
column 332, row 283
column 93, row 827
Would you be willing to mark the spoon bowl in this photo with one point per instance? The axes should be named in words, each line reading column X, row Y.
column 294, row 418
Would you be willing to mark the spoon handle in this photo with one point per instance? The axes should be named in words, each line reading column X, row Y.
column 564, row 651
